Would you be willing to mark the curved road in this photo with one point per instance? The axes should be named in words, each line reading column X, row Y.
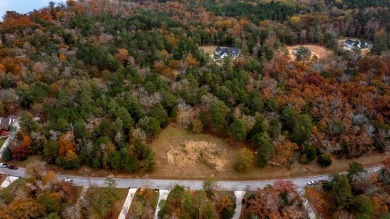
column 169, row 184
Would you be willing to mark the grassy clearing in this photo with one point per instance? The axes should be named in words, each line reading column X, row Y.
column 208, row 49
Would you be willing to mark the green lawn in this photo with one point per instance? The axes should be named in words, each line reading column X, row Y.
column 2, row 140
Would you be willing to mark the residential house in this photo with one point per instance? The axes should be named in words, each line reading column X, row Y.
column 5, row 123
column 350, row 44
column 226, row 51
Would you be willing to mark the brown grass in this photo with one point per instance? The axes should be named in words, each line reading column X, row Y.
column 2, row 178
column 30, row 159
column 208, row 49
column 319, row 51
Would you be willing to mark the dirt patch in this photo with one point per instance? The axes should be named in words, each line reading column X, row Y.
column 192, row 153
column 181, row 153
column 318, row 51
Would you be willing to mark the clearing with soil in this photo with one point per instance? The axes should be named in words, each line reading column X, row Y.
column 190, row 153
column 319, row 51
column 181, row 153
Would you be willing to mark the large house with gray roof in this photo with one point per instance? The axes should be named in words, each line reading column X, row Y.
column 226, row 51
column 350, row 44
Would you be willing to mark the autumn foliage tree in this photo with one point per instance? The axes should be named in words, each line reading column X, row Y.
column 275, row 201
column 22, row 150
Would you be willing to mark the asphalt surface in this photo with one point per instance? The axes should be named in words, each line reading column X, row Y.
column 169, row 184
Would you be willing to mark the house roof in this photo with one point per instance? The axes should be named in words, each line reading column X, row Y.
column 349, row 41
column 357, row 43
column 234, row 50
column 230, row 50
column 12, row 117
column 4, row 123
column 218, row 49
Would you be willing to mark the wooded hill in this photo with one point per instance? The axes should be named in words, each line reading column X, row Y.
column 106, row 77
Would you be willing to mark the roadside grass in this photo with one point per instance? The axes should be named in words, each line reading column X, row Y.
column 2, row 178
column 2, row 140
column 122, row 194
column 24, row 163
column 116, row 207
column 148, row 198
column 76, row 194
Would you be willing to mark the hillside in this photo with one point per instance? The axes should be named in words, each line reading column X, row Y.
column 105, row 78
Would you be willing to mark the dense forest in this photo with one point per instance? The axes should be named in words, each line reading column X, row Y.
column 105, row 77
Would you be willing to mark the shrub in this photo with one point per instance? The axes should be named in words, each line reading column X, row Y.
column 244, row 160
column 324, row 160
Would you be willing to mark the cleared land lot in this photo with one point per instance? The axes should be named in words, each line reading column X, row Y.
column 181, row 153
column 187, row 149
column 319, row 51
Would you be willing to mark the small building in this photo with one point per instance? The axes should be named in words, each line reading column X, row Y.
column 5, row 123
column 226, row 51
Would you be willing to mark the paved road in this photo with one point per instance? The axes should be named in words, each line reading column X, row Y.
column 169, row 184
